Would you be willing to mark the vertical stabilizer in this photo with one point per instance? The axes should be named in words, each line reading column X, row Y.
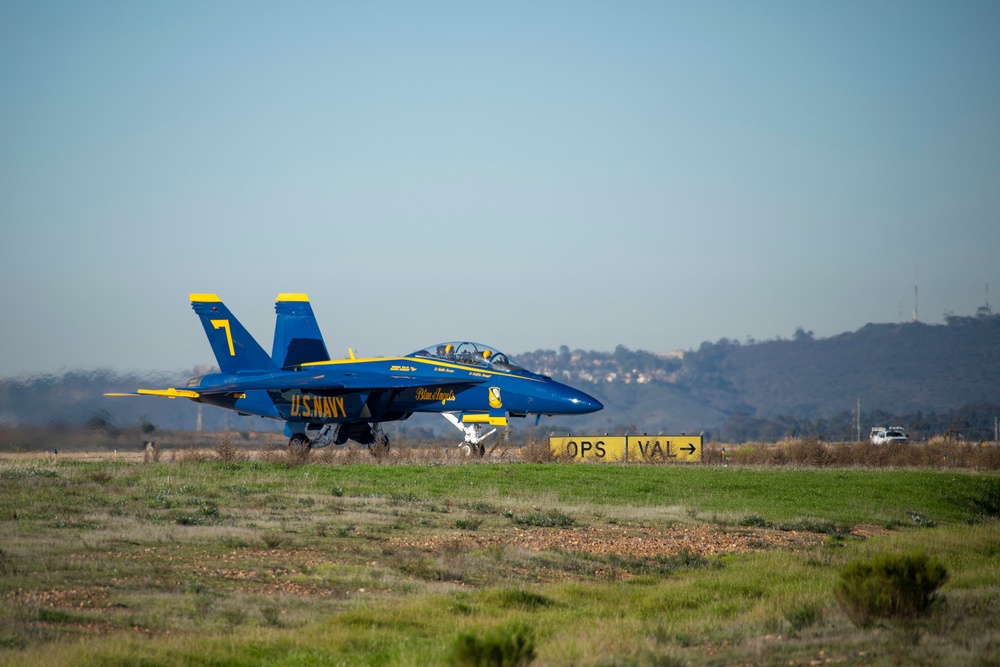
column 235, row 349
column 297, row 339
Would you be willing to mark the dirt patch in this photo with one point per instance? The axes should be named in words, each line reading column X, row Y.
column 95, row 597
column 627, row 541
column 866, row 530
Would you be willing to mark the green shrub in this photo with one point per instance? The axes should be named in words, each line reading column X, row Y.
column 889, row 586
column 754, row 521
column 346, row 531
column 803, row 615
column 482, row 507
column 274, row 540
column 468, row 523
column 550, row 519
column 506, row 646
column 189, row 519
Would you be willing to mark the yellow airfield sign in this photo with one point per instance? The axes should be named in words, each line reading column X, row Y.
column 668, row 448
column 631, row 448
column 609, row 448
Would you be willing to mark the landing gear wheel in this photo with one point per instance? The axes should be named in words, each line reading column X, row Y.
column 465, row 448
column 482, row 451
column 298, row 444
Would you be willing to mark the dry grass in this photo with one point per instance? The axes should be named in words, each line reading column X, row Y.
column 938, row 453
column 537, row 451
column 202, row 563
column 189, row 447
column 151, row 452
column 228, row 450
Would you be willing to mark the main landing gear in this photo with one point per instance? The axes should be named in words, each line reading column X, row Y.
column 299, row 445
column 363, row 433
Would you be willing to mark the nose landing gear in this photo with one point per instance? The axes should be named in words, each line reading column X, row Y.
column 470, row 449
column 474, row 435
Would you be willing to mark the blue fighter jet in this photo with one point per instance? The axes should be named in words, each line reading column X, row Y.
column 325, row 401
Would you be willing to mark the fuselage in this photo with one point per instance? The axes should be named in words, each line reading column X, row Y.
column 474, row 380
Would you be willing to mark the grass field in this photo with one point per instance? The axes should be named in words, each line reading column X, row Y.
column 193, row 562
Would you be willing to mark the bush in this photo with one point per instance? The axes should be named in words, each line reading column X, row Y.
column 537, row 451
column 803, row 615
column 550, row 519
column 468, row 523
column 809, row 452
column 506, row 646
column 889, row 586
column 228, row 451
column 151, row 452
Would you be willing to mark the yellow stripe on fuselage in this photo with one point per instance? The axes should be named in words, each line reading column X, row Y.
column 431, row 362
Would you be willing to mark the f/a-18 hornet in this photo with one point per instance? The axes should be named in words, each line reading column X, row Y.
column 324, row 401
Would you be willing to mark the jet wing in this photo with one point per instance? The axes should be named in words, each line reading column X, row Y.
column 333, row 383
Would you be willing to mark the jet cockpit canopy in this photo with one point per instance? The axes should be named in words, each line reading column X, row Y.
column 470, row 354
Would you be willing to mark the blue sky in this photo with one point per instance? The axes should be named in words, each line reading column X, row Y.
column 524, row 174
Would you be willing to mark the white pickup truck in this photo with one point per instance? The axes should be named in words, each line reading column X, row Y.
column 883, row 435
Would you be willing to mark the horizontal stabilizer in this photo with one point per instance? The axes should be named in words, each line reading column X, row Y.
column 166, row 393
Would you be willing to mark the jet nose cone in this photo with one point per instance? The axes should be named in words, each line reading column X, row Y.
column 554, row 398
column 583, row 403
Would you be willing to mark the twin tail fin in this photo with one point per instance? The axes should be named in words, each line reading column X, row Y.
column 297, row 338
column 235, row 349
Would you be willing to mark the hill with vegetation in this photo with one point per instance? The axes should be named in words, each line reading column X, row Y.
column 934, row 377
column 931, row 378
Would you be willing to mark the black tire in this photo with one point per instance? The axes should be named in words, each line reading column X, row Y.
column 298, row 442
